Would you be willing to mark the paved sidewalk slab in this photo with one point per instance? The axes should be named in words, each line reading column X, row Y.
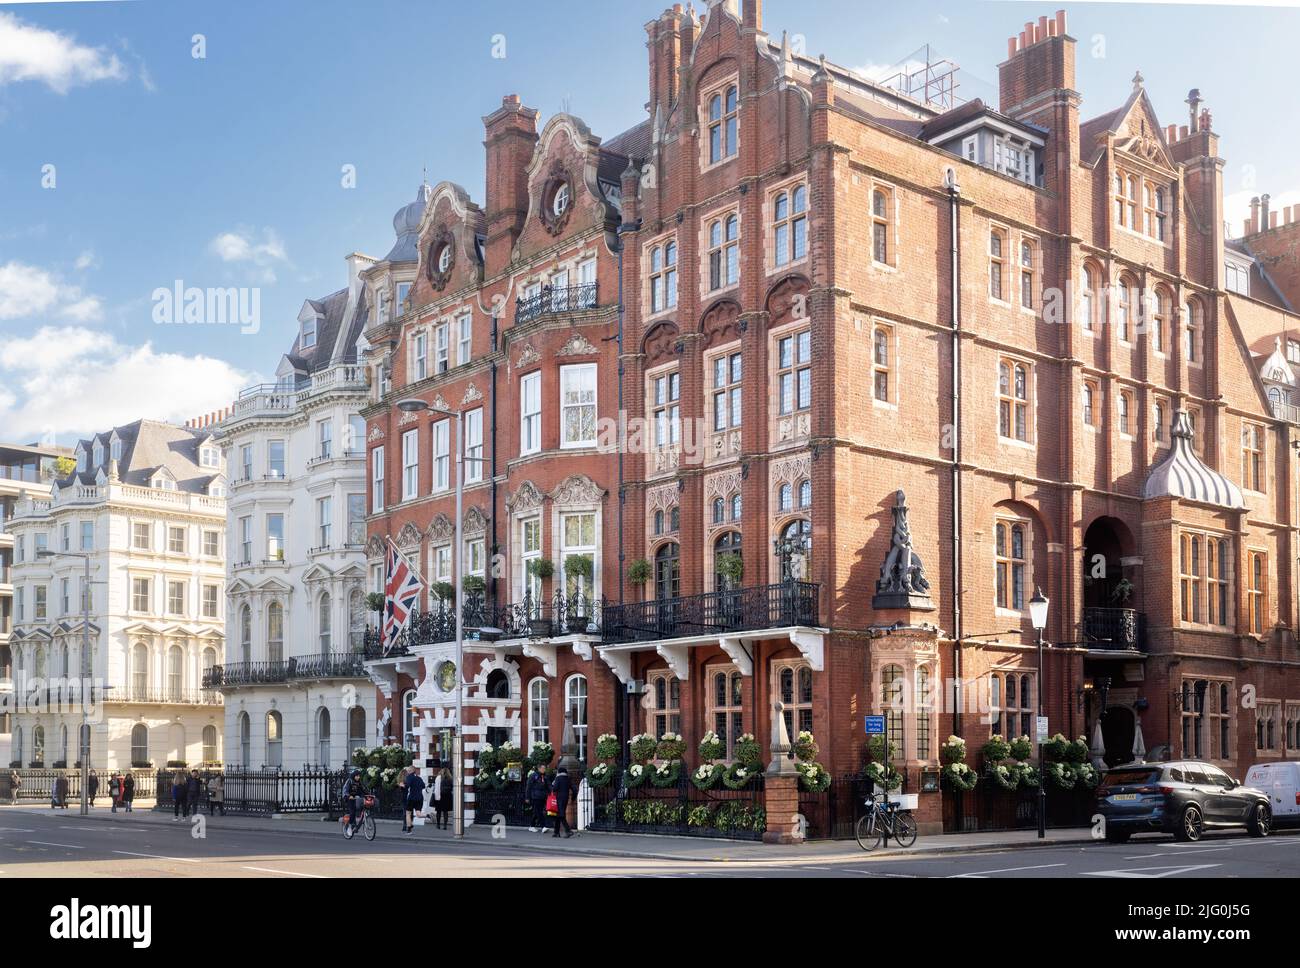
column 658, row 847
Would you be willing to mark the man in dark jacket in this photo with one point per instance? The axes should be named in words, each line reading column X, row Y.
column 193, row 793
column 535, row 790
column 560, row 787
column 94, row 788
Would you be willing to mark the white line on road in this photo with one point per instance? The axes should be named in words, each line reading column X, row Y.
column 16, row 830
column 93, row 830
column 1007, row 870
column 181, row 860
column 46, row 843
column 272, row 870
column 1208, row 850
column 1169, row 871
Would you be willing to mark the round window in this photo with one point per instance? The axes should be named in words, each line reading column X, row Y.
column 444, row 257
column 560, row 203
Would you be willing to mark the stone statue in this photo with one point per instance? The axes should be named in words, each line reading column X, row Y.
column 902, row 581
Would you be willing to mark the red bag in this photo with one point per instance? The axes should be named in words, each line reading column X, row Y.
column 552, row 805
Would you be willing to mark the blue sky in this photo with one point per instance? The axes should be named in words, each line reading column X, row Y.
column 226, row 170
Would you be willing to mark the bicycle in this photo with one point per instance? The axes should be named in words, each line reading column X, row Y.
column 366, row 823
column 879, row 823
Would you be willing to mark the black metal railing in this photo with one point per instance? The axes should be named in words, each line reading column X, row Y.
column 552, row 300
column 733, row 610
column 336, row 665
column 562, row 614
column 1114, row 628
column 245, row 674
column 38, row 784
column 681, row 810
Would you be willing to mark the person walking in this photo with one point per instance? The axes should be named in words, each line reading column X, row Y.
column 128, row 791
column 178, row 795
column 442, row 791
column 560, row 787
column 193, row 794
column 61, row 791
column 217, row 795
column 535, row 790
column 94, row 787
column 413, row 784
column 15, row 783
column 115, row 789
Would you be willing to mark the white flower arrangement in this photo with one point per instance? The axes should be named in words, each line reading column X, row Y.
column 664, row 769
column 606, row 738
column 703, row 772
column 600, row 769
column 640, row 737
column 710, row 737
column 671, row 738
column 636, row 769
column 745, row 738
column 805, row 736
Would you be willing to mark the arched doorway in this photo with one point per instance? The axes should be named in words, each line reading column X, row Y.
column 1106, row 582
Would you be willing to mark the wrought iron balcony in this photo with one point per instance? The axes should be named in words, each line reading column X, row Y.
column 426, row 628
column 1121, row 629
column 714, row 613
column 576, row 614
column 552, row 300
column 336, row 665
column 234, row 674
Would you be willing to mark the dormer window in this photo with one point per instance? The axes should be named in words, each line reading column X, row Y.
column 81, row 462
column 161, row 482
column 99, row 455
column 115, row 450
column 308, row 337
column 403, row 290
column 209, row 457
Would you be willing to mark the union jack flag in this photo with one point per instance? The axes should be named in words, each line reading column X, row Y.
column 402, row 589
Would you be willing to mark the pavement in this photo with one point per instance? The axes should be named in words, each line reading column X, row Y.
column 38, row 842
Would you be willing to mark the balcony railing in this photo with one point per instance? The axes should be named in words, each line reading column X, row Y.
column 551, row 300
column 575, row 614
column 1122, row 629
column 714, row 613
column 336, row 665
column 1286, row 411
column 245, row 674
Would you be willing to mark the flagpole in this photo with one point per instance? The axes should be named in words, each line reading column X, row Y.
column 457, row 775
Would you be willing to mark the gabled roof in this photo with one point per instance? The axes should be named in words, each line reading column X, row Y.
column 149, row 446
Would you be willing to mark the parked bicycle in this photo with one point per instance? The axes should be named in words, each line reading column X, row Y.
column 365, row 823
column 881, row 821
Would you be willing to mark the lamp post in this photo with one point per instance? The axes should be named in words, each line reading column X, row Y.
column 1038, row 616
column 83, row 738
column 458, row 566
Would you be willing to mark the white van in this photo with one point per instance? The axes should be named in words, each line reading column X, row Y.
column 1281, row 781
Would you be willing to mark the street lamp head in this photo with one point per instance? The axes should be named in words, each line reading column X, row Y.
column 1038, row 609
column 412, row 406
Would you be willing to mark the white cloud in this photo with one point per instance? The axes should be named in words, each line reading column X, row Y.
column 87, row 260
column 69, row 381
column 242, row 246
column 27, row 290
column 31, row 53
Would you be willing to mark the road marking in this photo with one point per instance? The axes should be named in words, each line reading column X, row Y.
column 1207, row 850
column 180, row 860
column 93, row 830
column 1007, row 870
column 1169, row 871
column 272, row 870
column 17, row 830
column 46, row 843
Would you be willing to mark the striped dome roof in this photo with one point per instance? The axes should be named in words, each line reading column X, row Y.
column 1184, row 475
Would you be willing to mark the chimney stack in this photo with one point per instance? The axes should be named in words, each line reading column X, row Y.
column 1265, row 217
column 1040, row 60
column 511, row 137
column 1254, row 215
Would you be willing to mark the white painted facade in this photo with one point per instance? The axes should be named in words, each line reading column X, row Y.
column 151, row 630
column 296, row 693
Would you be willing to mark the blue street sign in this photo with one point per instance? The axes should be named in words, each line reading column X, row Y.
column 875, row 725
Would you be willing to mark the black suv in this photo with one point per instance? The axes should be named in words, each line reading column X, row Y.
column 1184, row 798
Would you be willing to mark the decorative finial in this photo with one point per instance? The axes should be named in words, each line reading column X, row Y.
column 1138, row 81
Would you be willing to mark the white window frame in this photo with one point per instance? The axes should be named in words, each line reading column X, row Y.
column 410, row 465
column 377, row 479
column 473, row 433
column 441, row 432
column 530, row 413
column 578, row 379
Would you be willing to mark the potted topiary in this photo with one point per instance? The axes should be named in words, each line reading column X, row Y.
column 474, row 585
column 444, row 592
column 642, row 747
column 539, row 626
column 607, row 747
column 375, row 601
column 579, row 569
column 638, row 572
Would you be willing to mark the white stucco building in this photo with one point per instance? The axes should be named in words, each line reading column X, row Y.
column 296, row 690
column 146, row 507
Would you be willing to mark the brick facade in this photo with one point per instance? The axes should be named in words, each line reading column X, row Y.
column 796, row 157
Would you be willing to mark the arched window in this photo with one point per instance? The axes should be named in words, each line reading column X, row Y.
column 575, row 704
column 274, row 738
column 1013, row 400
column 356, row 727
column 668, row 572
column 209, row 661
column 785, row 498
column 891, row 704
column 498, row 685
column 274, row 632
column 881, row 366
column 724, row 253
column 728, row 543
column 805, row 494
column 1009, row 540
column 140, row 745
column 140, row 672
column 795, row 684
column 924, row 707
column 246, row 634
column 735, row 507
column 539, row 711
column 1089, row 395
column 175, row 673
column 1125, row 407
column 663, row 277
column 323, row 753
column 719, row 510
column 723, row 109
column 790, row 225
column 324, row 623
column 1160, row 322
column 880, row 226
column 245, row 741
column 665, row 712
column 796, row 550
column 1088, row 300
column 659, row 522
column 1124, row 308
column 1192, row 331
column 210, row 754
column 725, row 714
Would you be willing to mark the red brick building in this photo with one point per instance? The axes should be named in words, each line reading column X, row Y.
column 804, row 294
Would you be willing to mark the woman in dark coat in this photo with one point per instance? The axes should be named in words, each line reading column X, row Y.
column 442, row 790
column 193, row 793
column 560, row 787
column 128, row 791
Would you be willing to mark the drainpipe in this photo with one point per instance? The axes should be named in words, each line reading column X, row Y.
column 492, row 397
column 954, row 203
column 623, row 228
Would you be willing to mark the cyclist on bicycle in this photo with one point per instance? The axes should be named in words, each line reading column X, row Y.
column 353, row 797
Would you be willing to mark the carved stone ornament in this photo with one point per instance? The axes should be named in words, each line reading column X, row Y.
column 558, row 180
column 408, row 418
column 409, row 537
column 902, row 581
column 526, row 498
column 528, row 356
column 472, row 394
column 579, row 489
column 441, row 529
column 578, row 345
column 376, row 433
